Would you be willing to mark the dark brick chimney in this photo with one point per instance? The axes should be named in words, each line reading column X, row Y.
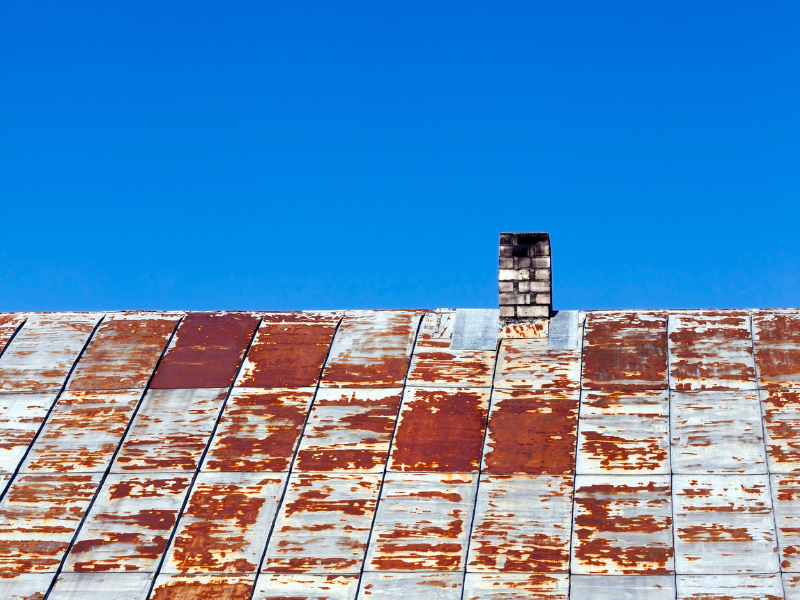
column 525, row 276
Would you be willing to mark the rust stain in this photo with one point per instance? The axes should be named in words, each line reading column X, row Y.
column 203, row 587
column 782, row 425
column 533, row 330
column 516, row 586
column 777, row 342
column 527, row 364
column 305, row 587
column 21, row 415
column 786, row 502
column 9, row 322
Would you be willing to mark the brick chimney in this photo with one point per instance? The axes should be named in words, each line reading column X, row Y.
column 525, row 276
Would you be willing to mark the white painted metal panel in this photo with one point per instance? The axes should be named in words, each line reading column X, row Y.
column 273, row 586
column 202, row 587
column 516, row 586
column 21, row 416
column 786, row 505
column 404, row 586
column 25, row 586
column 730, row 587
column 526, row 364
column 102, row 586
column 622, row 587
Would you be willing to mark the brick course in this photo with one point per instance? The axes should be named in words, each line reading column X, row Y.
column 525, row 277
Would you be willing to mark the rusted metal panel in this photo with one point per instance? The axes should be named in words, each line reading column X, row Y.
column 723, row 525
column 522, row 524
column 717, row 432
column 349, row 430
column 541, row 586
column 9, row 323
column 786, row 505
column 622, row 525
column 82, row 432
column 776, row 334
column 302, row 587
column 623, row 587
column 372, row 349
column 527, row 364
column 625, row 351
column 423, row 522
column 129, row 525
column 206, row 351
column 225, row 525
column 730, row 587
column 21, row 416
column 624, row 432
column 288, row 351
column 434, row 363
column 4, row 480
column 25, row 586
column 329, row 317
column 38, row 518
column 259, row 430
column 711, row 350
column 170, row 430
column 403, row 586
column 102, row 586
column 532, row 432
column 42, row 353
column 203, row 587
column 323, row 524
column 525, row 331
column 791, row 586
column 440, row 430
column 781, row 413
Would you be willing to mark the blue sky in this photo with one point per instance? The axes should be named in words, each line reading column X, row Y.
column 297, row 155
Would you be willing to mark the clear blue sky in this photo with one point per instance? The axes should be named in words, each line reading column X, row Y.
column 295, row 155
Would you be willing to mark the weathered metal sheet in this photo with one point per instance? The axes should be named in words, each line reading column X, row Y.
column 203, row 587
column 170, row 430
column 624, row 432
column 9, row 323
column 349, row 430
column 38, row 518
column 436, row 364
column 781, row 413
column 259, row 430
column 625, row 351
column 563, row 332
column 288, row 351
column 302, row 587
column 791, row 586
column 25, row 586
column 102, row 586
column 21, row 416
column 206, row 351
column 42, row 353
column 476, row 329
column 423, row 522
column 522, row 524
column 723, row 525
column 124, row 351
column 485, row 586
column 532, row 432
column 711, row 350
column 403, row 586
column 4, row 481
column 526, row 364
column 717, row 432
column 82, row 432
column 533, row 330
column 786, row 506
column 129, row 525
column 622, row 525
column 372, row 349
column 440, row 430
column 225, row 525
column 730, row 587
column 323, row 524
column 623, row 587
column 776, row 334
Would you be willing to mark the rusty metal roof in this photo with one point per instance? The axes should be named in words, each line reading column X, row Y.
column 349, row 455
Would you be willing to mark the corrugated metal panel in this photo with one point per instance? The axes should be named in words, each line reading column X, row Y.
column 481, row 586
column 9, row 322
column 777, row 340
column 25, row 586
column 130, row 523
column 440, row 430
column 225, row 525
column 730, row 587
column 124, row 351
column 525, row 331
column 625, row 351
column 711, row 350
column 786, row 506
column 522, row 524
column 206, row 351
column 203, row 587
column 402, row 586
column 288, row 351
column 44, row 350
column 259, row 430
column 21, row 415
column 532, row 432
column 323, row 524
column 301, row 587
column 39, row 516
column 82, row 432
column 622, row 525
column 526, row 364
column 170, row 430
column 102, row 586
column 624, row 432
column 723, row 524
column 349, row 430
column 623, row 587
column 781, row 411
column 717, row 432
column 422, row 523
column 435, row 364
column 372, row 349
